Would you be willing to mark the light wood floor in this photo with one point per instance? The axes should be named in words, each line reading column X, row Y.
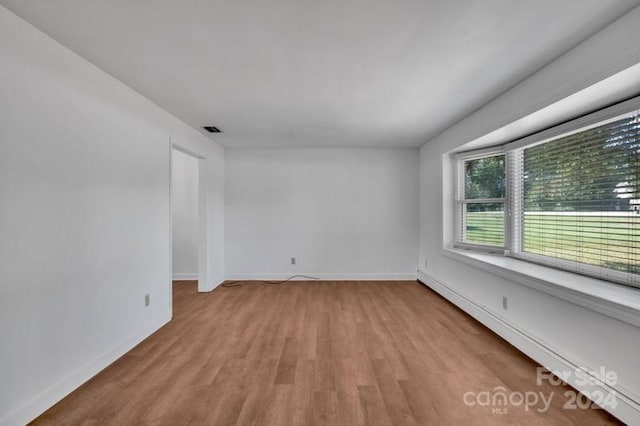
column 314, row 353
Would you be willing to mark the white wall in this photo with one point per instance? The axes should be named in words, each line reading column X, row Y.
column 343, row 213
column 84, row 218
column 184, row 208
column 580, row 335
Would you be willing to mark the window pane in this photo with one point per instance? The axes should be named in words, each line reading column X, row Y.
column 581, row 194
column 484, row 223
column 609, row 241
column 484, row 177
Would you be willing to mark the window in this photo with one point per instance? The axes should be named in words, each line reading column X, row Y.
column 571, row 196
column 481, row 201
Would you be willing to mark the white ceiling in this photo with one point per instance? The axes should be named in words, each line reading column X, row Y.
column 320, row 72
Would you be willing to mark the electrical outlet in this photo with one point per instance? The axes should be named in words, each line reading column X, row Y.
column 146, row 300
column 426, row 264
column 504, row 302
column 293, row 260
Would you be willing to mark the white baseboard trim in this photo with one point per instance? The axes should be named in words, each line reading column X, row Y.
column 627, row 409
column 324, row 277
column 185, row 276
column 54, row 394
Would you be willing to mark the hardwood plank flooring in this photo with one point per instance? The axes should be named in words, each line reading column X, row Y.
column 315, row 353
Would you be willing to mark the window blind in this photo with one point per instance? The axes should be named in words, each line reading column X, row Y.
column 575, row 200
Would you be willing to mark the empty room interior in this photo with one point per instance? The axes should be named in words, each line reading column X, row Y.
column 381, row 212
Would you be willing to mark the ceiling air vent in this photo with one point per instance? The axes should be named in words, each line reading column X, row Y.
column 212, row 129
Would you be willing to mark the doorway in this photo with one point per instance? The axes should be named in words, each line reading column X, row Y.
column 189, row 213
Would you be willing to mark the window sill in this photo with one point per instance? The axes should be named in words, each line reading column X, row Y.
column 614, row 300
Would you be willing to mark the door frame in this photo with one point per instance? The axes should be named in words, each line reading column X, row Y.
column 203, row 216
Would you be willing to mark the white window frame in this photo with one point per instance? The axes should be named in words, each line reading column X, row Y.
column 513, row 222
column 461, row 201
